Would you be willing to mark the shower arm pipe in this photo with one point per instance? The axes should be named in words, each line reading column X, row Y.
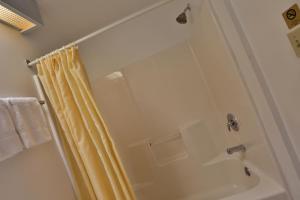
column 102, row 30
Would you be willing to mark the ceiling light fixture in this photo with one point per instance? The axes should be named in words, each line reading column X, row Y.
column 23, row 15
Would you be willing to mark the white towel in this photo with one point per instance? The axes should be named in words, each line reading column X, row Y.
column 30, row 121
column 10, row 143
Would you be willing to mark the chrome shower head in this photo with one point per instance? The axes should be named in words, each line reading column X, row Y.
column 182, row 17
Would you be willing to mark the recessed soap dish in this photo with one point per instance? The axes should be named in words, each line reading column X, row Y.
column 167, row 149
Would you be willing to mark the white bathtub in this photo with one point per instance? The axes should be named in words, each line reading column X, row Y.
column 240, row 186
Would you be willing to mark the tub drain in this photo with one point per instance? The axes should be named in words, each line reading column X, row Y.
column 247, row 171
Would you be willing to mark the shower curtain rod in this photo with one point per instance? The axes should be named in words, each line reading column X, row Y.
column 102, row 30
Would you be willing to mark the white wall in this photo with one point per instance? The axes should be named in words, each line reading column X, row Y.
column 266, row 32
column 37, row 173
column 233, row 26
column 228, row 90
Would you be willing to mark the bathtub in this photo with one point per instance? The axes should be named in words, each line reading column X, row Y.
column 246, row 182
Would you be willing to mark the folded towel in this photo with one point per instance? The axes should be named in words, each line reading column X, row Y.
column 30, row 121
column 10, row 143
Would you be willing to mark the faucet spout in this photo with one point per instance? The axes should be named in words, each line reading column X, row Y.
column 238, row 148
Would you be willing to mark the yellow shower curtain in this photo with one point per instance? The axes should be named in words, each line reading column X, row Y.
column 90, row 151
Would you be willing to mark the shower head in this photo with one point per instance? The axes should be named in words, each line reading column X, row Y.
column 182, row 17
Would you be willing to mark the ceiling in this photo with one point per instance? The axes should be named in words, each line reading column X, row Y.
column 68, row 20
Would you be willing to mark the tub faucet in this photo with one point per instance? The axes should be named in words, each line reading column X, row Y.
column 238, row 148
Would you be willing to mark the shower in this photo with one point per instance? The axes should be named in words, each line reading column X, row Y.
column 182, row 17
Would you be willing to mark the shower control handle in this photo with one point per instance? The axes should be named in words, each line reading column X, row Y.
column 232, row 122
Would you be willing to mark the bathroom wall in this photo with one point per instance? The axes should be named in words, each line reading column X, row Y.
column 276, row 59
column 266, row 109
column 228, row 90
column 37, row 173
